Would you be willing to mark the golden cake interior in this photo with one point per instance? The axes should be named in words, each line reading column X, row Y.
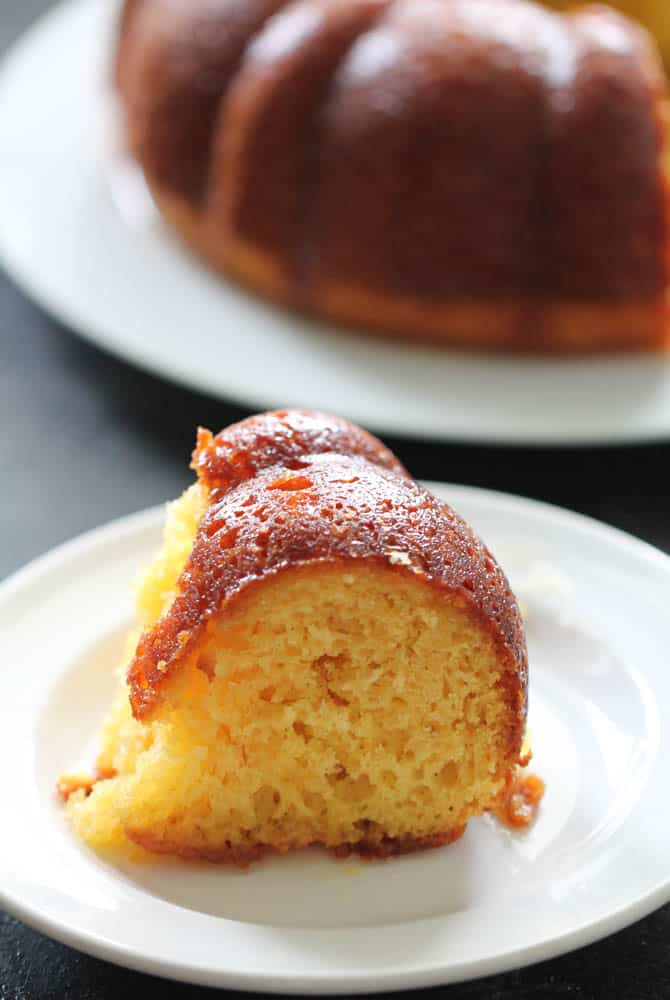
column 338, row 705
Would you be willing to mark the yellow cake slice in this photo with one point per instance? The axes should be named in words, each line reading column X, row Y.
column 325, row 654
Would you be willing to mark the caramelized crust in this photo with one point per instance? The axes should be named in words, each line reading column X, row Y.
column 484, row 172
column 285, row 437
column 176, row 60
column 243, row 856
column 291, row 501
column 525, row 149
column 271, row 116
column 605, row 198
column 439, row 91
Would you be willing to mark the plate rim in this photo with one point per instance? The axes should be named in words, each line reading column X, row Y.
column 245, row 392
column 314, row 982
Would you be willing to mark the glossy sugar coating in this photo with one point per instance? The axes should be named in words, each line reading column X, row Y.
column 486, row 172
column 284, row 437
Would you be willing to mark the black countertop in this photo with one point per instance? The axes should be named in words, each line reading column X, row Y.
column 85, row 439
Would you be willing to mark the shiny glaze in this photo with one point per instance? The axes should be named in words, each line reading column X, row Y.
column 176, row 60
column 270, row 117
column 438, row 150
column 525, row 154
column 434, row 130
column 283, row 437
column 272, row 513
column 605, row 202
column 520, row 802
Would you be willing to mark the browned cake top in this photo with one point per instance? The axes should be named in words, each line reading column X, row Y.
column 284, row 437
column 437, row 149
column 320, row 491
column 494, row 149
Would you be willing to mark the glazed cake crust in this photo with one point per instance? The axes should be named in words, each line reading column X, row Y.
column 439, row 169
column 283, row 437
column 351, row 503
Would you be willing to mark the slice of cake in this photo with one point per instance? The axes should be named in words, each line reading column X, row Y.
column 326, row 654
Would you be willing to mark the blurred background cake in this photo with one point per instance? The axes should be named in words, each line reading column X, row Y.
column 481, row 172
column 653, row 14
column 328, row 656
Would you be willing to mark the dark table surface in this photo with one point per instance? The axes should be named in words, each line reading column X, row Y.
column 85, row 439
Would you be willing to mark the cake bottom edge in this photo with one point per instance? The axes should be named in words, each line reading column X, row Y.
column 493, row 324
column 243, row 855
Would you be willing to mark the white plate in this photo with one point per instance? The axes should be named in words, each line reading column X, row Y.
column 90, row 252
column 596, row 860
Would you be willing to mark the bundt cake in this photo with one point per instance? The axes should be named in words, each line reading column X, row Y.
column 328, row 655
column 487, row 173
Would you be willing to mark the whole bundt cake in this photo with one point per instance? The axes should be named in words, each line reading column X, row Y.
column 328, row 655
column 481, row 172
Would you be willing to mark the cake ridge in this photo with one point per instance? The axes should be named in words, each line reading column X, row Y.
column 175, row 125
column 276, row 437
column 263, row 157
